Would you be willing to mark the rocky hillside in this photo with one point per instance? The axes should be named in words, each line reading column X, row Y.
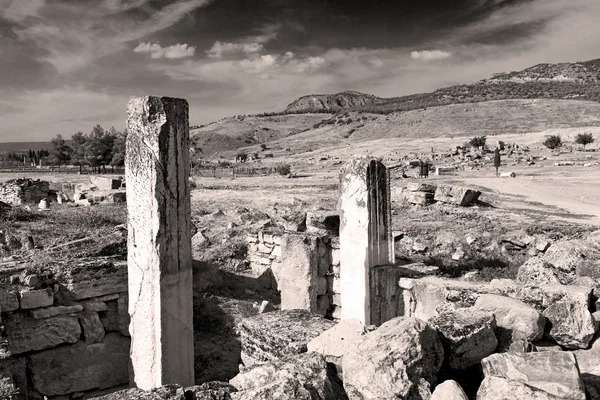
column 320, row 103
column 565, row 81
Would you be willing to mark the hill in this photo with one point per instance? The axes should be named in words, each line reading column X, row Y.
column 564, row 81
column 8, row 147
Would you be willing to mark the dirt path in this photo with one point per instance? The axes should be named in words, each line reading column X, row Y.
column 578, row 197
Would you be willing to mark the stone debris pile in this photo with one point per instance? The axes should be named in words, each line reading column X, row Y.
column 424, row 194
column 24, row 191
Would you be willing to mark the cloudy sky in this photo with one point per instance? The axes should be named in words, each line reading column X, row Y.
column 66, row 65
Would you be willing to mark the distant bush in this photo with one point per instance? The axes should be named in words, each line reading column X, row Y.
column 283, row 169
column 553, row 142
column 477, row 141
column 584, row 139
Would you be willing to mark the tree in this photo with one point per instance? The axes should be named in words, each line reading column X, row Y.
column 477, row 141
column 118, row 150
column 553, row 142
column 78, row 156
column 584, row 139
column 497, row 159
column 60, row 152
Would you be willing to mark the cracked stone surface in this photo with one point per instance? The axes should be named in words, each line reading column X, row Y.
column 159, row 242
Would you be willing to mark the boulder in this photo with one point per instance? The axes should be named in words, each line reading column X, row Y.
column 274, row 335
column 26, row 334
column 536, row 270
column 575, row 258
column 301, row 377
column 36, row 298
column 81, row 367
column 93, row 330
column 336, row 341
column 589, row 368
column 467, row 335
column 398, row 360
column 508, row 175
column 549, row 375
column 515, row 320
column 449, row 390
column 572, row 325
column 456, row 195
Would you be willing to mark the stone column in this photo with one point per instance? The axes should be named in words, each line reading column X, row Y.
column 365, row 232
column 159, row 256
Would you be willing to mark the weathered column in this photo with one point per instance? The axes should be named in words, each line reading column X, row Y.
column 365, row 232
column 159, row 253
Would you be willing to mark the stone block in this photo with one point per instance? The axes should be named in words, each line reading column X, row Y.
column 94, row 278
column 26, row 334
column 274, row 335
column 420, row 187
column 456, row 195
column 81, row 367
column 419, row 198
column 36, row 298
column 95, row 306
column 9, row 301
column 48, row 312
column 323, row 222
column 105, row 183
column 93, row 330
column 297, row 276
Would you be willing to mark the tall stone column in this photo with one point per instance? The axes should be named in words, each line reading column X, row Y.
column 159, row 255
column 365, row 232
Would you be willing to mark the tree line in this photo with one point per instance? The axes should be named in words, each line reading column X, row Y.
column 96, row 149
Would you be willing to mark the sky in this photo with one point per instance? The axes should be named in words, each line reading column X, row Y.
column 67, row 65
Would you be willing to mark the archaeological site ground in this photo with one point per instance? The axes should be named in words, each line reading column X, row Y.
column 348, row 248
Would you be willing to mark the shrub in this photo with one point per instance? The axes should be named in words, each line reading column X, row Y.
column 584, row 139
column 283, row 169
column 477, row 141
column 553, row 142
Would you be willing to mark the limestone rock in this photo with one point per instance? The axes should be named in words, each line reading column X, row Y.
column 553, row 373
column 456, row 195
column 398, row 360
column 27, row 334
column 572, row 326
column 298, row 377
column 274, row 335
column 449, row 390
column 48, row 312
column 467, row 334
column 93, row 330
column 36, row 298
column 8, row 301
column 94, row 278
column 81, row 367
column 536, row 270
column 575, row 257
column 514, row 319
column 336, row 341
column 297, row 275
column 503, row 389
column 589, row 368
column 105, row 183
column 418, row 198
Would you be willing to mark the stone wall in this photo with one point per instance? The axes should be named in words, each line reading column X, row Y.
column 66, row 332
column 21, row 191
column 264, row 255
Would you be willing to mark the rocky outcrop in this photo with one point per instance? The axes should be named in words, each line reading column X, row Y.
column 324, row 103
column 275, row 335
column 398, row 360
column 548, row 375
column 299, row 377
column 467, row 335
column 206, row 391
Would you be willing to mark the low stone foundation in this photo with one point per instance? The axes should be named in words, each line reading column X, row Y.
column 23, row 190
column 66, row 333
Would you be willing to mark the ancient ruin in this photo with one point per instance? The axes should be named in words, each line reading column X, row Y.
column 159, row 254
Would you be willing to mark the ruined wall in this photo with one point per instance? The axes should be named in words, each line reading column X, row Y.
column 264, row 255
column 21, row 191
column 66, row 332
